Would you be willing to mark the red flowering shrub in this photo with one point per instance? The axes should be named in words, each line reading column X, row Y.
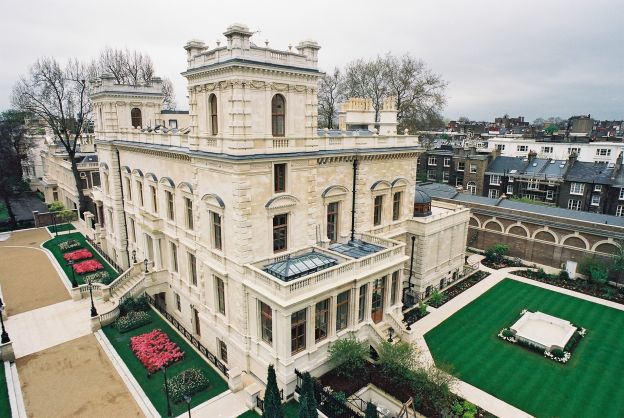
column 78, row 255
column 154, row 350
column 88, row 266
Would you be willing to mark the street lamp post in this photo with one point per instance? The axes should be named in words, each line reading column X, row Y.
column 164, row 370
column 134, row 256
column 70, row 263
column 145, row 262
column 93, row 311
column 5, row 336
column 187, row 398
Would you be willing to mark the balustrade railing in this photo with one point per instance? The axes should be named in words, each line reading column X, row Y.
column 101, row 252
column 189, row 336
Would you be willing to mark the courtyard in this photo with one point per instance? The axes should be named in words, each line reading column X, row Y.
column 588, row 385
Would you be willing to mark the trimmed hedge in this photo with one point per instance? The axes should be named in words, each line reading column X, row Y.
column 69, row 245
column 132, row 320
column 103, row 277
column 187, row 383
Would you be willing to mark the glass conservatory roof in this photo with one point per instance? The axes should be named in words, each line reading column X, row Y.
column 298, row 266
column 356, row 248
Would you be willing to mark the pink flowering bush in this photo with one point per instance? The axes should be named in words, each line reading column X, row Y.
column 88, row 266
column 155, row 350
column 78, row 255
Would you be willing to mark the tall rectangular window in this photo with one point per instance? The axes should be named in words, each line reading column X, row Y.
column 169, row 199
column 447, row 161
column 140, row 191
column 393, row 287
column 192, row 268
column 174, row 258
column 332, row 221
column 178, row 303
column 280, row 232
column 279, row 178
column 223, row 351
column 188, row 205
column 362, row 303
column 461, row 165
column 298, row 331
column 132, row 230
column 342, row 311
column 574, row 204
column 495, row 180
column 128, row 189
column 154, row 198
column 266, row 323
column 216, row 230
column 396, row 206
column 619, row 211
column 220, row 288
column 377, row 304
column 377, row 210
column 321, row 319
column 473, row 168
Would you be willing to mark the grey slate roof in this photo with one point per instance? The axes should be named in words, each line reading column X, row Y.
column 445, row 191
column 588, row 172
column 501, row 165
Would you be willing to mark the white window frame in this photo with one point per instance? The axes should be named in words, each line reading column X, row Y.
column 550, row 194
column 509, row 189
column 447, row 162
column 494, row 180
column 461, row 165
column 603, row 152
column 621, row 194
column 471, row 186
column 532, row 184
column 597, row 187
column 574, row 204
column 430, row 177
column 577, row 188
column 432, row 160
column 522, row 148
column 473, row 168
column 493, row 193
column 445, row 176
column 619, row 210
column 547, row 150
column 595, row 200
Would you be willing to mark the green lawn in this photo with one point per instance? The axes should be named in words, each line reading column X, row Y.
column 61, row 228
column 153, row 387
column 291, row 410
column 5, row 407
column 4, row 213
column 589, row 385
column 52, row 245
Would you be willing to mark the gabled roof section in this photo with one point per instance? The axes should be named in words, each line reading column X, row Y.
column 588, row 172
column 502, row 165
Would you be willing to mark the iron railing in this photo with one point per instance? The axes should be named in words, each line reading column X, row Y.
column 327, row 403
column 190, row 337
column 105, row 256
column 260, row 401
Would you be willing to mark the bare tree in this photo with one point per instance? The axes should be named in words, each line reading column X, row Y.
column 330, row 93
column 132, row 68
column 367, row 79
column 59, row 96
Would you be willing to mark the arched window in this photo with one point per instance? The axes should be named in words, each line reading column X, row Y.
column 278, row 113
column 137, row 119
column 214, row 124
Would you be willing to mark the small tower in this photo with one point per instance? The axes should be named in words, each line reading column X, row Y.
column 388, row 117
column 422, row 204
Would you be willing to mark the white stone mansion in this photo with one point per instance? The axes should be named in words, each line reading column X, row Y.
column 270, row 239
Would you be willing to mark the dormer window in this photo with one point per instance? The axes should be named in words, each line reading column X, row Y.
column 137, row 119
column 214, row 124
column 278, row 114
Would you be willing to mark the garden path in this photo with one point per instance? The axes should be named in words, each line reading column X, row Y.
column 28, row 279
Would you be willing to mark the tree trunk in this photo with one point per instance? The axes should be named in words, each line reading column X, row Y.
column 7, row 203
column 82, row 203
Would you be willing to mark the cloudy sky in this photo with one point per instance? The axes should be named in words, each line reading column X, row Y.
column 536, row 58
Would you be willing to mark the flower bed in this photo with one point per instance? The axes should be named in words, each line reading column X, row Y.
column 154, row 350
column 88, row 266
column 98, row 277
column 78, row 255
column 132, row 320
column 187, row 383
column 69, row 245
column 561, row 356
column 605, row 291
column 460, row 287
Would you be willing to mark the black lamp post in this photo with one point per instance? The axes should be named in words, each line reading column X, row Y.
column 70, row 263
column 145, row 263
column 5, row 336
column 164, row 370
column 93, row 311
column 134, row 256
column 54, row 220
column 390, row 331
column 188, row 404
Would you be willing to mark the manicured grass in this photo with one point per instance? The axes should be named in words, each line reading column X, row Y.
column 290, row 408
column 153, row 386
column 61, row 228
column 5, row 406
column 52, row 245
column 589, row 385
column 4, row 213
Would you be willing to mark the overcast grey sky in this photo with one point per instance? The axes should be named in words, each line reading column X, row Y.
column 536, row 58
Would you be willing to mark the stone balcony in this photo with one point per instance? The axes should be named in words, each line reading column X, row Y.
column 389, row 254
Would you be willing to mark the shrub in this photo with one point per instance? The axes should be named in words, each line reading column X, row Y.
column 557, row 352
column 187, row 383
column 56, row 206
column 69, row 245
column 496, row 253
column 88, row 266
column 563, row 275
column 99, row 277
column 508, row 333
column 596, row 270
column 77, row 255
column 422, row 309
column 541, row 274
column 348, row 355
column 307, row 400
column 436, row 298
column 397, row 359
column 132, row 320
column 272, row 402
column 134, row 304
column 371, row 410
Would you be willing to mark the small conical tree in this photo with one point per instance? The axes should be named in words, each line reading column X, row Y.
column 272, row 403
column 371, row 410
column 307, row 401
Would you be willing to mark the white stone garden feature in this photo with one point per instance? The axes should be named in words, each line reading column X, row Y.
column 542, row 330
